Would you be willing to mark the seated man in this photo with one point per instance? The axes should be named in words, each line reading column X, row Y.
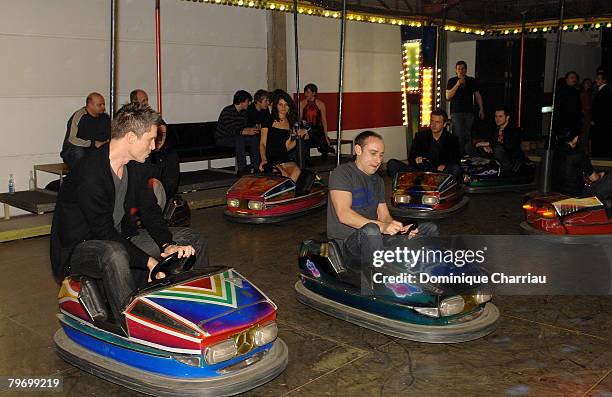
column 92, row 234
column 572, row 171
column 87, row 128
column 258, row 112
column 232, row 131
column 504, row 144
column 357, row 214
column 433, row 150
column 164, row 160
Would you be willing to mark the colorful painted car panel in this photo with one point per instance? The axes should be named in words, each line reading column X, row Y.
column 426, row 191
column 182, row 318
column 556, row 213
column 271, row 196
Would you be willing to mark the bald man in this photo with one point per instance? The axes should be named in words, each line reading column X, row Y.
column 87, row 128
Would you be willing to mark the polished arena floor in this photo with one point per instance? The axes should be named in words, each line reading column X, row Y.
column 544, row 345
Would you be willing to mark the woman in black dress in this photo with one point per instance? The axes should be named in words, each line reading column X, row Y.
column 276, row 141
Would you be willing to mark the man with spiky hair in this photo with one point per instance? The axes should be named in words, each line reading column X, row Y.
column 93, row 233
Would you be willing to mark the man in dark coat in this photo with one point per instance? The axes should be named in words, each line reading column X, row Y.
column 92, row 233
column 504, row 144
column 434, row 150
column 601, row 126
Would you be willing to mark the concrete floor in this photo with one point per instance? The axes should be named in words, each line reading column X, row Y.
column 544, row 346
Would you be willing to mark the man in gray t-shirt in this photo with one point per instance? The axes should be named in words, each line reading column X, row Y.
column 357, row 214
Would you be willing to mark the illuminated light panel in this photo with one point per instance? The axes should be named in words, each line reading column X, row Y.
column 410, row 73
column 426, row 96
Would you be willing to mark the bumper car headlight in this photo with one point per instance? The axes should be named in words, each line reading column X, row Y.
column 402, row 198
column 266, row 334
column 233, row 203
column 428, row 311
column 430, row 200
column 220, row 352
column 482, row 297
column 451, row 306
column 255, row 205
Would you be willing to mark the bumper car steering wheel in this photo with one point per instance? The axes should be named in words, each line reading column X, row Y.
column 172, row 265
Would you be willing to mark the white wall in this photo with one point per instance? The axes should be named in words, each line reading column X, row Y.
column 372, row 63
column 57, row 51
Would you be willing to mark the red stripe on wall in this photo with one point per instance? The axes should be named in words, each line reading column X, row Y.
column 363, row 110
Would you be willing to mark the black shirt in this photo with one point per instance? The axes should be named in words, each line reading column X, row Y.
column 569, row 168
column 443, row 151
column 463, row 101
column 255, row 117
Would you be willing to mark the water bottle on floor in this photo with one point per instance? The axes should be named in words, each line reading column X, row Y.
column 11, row 185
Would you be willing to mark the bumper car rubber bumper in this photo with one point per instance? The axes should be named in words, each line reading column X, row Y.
column 268, row 368
column 499, row 188
column 526, row 228
column 481, row 325
column 434, row 214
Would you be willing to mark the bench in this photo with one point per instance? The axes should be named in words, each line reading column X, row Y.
column 196, row 142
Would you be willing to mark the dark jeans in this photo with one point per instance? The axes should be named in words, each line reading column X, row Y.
column 240, row 142
column 395, row 166
column 462, row 129
column 71, row 154
column 317, row 139
column 109, row 261
column 359, row 247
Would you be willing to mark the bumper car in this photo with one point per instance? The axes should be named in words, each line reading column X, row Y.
column 483, row 175
column 426, row 195
column 423, row 313
column 566, row 218
column 193, row 333
column 274, row 198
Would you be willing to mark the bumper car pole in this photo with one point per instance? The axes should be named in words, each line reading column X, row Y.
column 300, row 144
column 545, row 176
column 340, row 82
column 158, row 56
column 113, row 57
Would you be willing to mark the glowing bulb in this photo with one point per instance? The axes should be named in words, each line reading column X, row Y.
column 597, row 26
column 335, row 15
column 515, row 31
column 608, row 25
column 576, row 27
column 300, row 10
column 326, row 13
column 544, row 29
column 309, row 12
column 565, row 27
column 282, row 8
column 240, row 3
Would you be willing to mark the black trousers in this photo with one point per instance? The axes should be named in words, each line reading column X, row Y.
column 110, row 262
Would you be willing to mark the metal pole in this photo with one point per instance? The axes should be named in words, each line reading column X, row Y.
column 113, row 58
column 300, row 142
column 545, row 180
column 520, row 95
column 158, row 55
column 441, row 51
column 340, row 81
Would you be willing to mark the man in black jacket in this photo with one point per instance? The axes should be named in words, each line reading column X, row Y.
column 433, row 150
column 504, row 144
column 572, row 171
column 601, row 130
column 92, row 234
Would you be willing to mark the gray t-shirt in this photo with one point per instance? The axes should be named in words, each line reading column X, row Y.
column 368, row 191
column 121, row 186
